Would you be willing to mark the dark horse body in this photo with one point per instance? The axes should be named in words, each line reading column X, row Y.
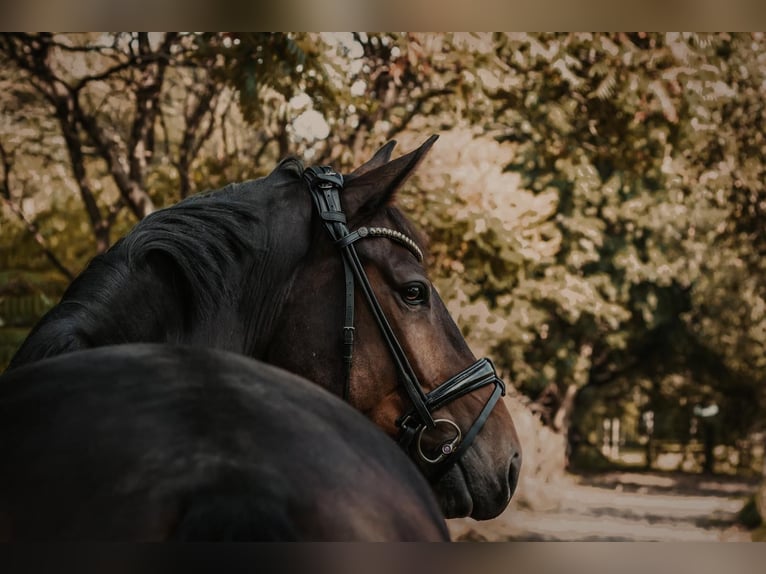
column 156, row 442
column 250, row 269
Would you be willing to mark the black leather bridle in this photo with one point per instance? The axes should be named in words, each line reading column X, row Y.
column 325, row 186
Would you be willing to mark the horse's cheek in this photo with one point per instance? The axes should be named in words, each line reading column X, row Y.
column 385, row 414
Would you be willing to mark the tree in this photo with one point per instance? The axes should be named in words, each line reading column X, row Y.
column 629, row 219
column 129, row 106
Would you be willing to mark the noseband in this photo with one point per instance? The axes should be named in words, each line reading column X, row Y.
column 325, row 186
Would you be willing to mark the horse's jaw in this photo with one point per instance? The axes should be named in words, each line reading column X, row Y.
column 460, row 496
column 453, row 494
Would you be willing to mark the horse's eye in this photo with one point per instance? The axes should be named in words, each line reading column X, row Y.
column 415, row 294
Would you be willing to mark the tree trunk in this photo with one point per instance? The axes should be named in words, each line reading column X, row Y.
column 564, row 413
column 760, row 497
column 708, row 438
column 649, row 453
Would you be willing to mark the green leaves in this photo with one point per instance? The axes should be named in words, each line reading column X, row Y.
column 256, row 62
column 630, row 220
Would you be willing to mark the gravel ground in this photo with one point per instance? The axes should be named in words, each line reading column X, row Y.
column 624, row 507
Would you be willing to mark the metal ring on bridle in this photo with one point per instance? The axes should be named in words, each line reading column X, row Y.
column 447, row 448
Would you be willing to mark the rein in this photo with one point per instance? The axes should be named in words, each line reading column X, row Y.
column 325, row 186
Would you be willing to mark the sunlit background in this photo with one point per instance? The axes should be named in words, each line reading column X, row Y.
column 595, row 206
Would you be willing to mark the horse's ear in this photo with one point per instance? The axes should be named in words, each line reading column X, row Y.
column 368, row 192
column 381, row 157
column 291, row 166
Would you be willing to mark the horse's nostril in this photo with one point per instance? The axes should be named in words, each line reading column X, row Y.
column 513, row 472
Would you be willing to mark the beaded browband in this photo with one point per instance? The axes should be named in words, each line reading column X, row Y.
column 397, row 236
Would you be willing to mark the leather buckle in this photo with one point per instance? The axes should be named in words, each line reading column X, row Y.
column 409, row 428
column 325, row 177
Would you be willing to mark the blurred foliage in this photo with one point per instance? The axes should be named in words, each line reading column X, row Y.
column 254, row 63
column 629, row 254
column 595, row 205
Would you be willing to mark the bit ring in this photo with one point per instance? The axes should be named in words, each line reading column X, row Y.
column 447, row 448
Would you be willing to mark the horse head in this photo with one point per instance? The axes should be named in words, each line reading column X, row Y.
column 411, row 371
column 324, row 276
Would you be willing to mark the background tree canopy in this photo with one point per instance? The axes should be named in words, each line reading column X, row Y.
column 595, row 205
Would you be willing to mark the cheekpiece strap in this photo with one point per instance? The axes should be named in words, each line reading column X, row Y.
column 325, row 185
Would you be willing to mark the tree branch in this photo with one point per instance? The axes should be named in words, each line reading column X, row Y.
column 34, row 231
column 416, row 108
column 137, row 200
column 71, row 135
column 190, row 142
column 147, row 103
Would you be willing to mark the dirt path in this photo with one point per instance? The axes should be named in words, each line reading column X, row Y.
column 625, row 507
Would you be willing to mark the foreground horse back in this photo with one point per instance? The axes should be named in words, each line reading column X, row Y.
column 150, row 442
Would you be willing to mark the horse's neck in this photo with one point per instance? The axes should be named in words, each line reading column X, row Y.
column 106, row 305
column 159, row 304
column 163, row 291
column 113, row 304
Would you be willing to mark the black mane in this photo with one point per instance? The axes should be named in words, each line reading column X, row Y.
column 178, row 272
column 203, row 236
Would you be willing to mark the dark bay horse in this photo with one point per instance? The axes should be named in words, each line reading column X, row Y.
column 162, row 442
column 322, row 275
